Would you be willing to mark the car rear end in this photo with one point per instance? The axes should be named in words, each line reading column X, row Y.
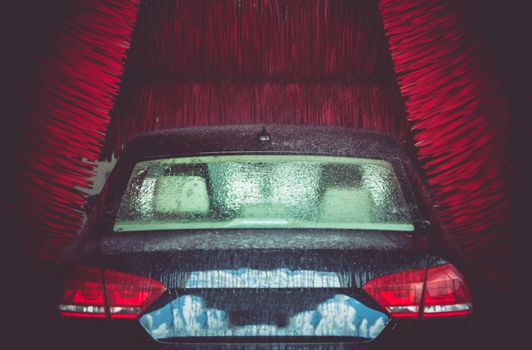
column 191, row 250
column 316, row 293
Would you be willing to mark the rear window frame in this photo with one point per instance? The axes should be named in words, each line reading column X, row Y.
column 210, row 223
column 115, row 187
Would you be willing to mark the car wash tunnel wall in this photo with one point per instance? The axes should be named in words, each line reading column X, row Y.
column 417, row 70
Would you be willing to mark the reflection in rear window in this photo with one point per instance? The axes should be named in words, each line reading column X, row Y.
column 263, row 191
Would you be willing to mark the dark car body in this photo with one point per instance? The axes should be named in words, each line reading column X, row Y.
column 168, row 257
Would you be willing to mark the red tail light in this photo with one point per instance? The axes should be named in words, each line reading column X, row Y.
column 83, row 294
column 445, row 293
column 400, row 294
column 91, row 292
column 128, row 295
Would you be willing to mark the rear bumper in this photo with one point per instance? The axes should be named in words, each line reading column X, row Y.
column 129, row 334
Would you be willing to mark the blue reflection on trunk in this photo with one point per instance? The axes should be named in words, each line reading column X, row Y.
column 190, row 315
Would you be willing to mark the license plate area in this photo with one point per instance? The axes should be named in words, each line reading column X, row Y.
column 256, row 315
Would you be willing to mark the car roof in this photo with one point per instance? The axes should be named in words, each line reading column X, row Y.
column 284, row 139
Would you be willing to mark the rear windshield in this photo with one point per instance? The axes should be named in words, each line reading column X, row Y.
column 263, row 191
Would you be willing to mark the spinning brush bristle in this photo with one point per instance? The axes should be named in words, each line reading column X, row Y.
column 459, row 123
column 180, row 104
column 69, row 117
column 259, row 39
column 269, row 61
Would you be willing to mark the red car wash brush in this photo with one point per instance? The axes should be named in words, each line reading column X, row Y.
column 240, row 62
column 70, row 100
column 460, row 124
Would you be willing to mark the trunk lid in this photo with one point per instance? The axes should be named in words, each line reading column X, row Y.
column 270, row 284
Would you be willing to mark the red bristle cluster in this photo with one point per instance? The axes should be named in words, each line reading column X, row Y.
column 179, row 104
column 69, row 117
column 258, row 61
column 254, row 39
column 459, row 122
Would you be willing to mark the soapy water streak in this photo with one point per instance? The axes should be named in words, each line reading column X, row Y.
column 250, row 278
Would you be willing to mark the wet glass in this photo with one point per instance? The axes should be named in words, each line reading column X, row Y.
column 263, row 191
